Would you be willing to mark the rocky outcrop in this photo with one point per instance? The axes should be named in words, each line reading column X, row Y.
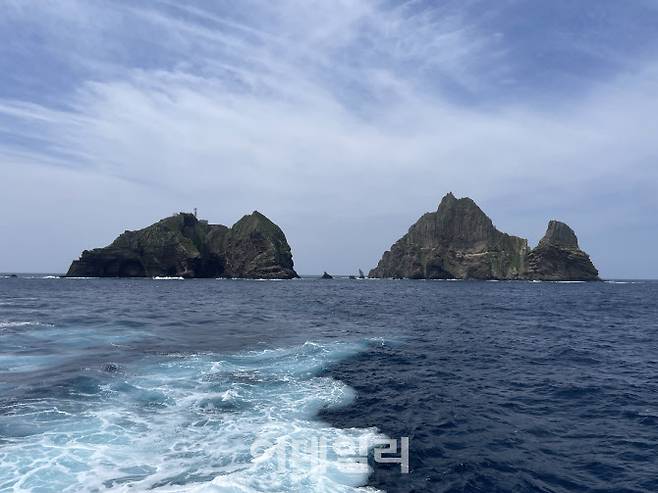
column 256, row 248
column 459, row 241
column 326, row 276
column 559, row 258
column 182, row 245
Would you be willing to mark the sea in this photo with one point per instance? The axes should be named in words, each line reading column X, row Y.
column 309, row 385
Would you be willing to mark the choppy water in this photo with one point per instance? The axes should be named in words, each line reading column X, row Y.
column 199, row 385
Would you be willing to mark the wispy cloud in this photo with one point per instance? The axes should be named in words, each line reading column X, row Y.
column 343, row 120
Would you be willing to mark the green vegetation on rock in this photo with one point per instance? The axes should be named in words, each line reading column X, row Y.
column 181, row 245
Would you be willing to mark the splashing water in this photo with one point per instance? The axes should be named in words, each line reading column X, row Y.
column 200, row 422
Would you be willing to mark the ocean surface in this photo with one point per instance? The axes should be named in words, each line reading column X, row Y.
column 287, row 386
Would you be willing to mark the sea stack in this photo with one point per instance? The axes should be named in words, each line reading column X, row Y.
column 559, row 258
column 183, row 246
column 459, row 241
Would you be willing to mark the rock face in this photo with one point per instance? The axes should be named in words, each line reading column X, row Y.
column 181, row 245
column 558, row 257
column 459, row 241
column 326, row 276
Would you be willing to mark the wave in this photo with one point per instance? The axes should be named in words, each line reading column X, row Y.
column 194, row 423
column 12, row 300
column 5, row 324
column 49, row 276
column 168, row 278
column 250, row 279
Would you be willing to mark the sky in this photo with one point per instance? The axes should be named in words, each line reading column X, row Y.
column 342, row 121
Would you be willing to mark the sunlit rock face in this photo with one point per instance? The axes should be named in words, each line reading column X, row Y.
column 459, row 241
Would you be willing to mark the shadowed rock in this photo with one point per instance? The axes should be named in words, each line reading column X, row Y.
column 559, row 258
column 183, row 246
column 326, row 276
column 255, row 247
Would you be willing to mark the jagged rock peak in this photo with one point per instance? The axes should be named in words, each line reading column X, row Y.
column 462, row 219
column 559, row 234
column 456, row 241
column 447, row 199
column 460, row 241
column 558, row 257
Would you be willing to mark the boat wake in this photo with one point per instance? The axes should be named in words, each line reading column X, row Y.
column 201, row 422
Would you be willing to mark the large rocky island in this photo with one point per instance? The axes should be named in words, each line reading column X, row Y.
column 459, row 241
column 183, row 246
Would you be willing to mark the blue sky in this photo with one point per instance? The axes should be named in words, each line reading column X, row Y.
column 343, row 121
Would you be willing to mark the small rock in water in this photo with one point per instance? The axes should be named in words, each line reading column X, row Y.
column 326, row 276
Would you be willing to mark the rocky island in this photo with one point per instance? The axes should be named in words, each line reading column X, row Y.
column 559, row 258
column 183, row 246
column 459, row 241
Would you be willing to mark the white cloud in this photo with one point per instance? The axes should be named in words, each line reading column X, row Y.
column 322, row 118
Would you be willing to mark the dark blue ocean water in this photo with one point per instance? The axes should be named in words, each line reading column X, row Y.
column 221, row 385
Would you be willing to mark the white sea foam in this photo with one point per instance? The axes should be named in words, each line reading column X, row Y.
column 245, row 279
column 168, row 278
column 4, row 324
column 202, row 423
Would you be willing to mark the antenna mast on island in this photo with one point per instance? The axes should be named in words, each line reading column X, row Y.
column 195, row 212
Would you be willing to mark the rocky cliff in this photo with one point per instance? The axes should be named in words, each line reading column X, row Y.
column 559, row 258
column 459, row 241
column 181, row 245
